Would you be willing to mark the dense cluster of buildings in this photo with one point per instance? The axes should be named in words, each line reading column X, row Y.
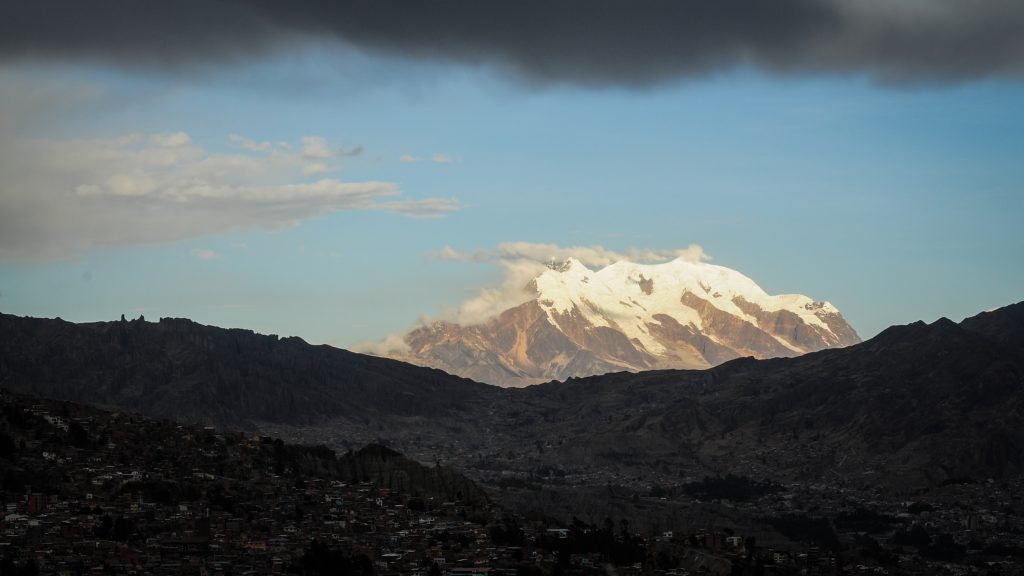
column 88, row 492
column 134, row 496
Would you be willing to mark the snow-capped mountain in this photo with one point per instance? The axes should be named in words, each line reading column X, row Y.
column 627, row 316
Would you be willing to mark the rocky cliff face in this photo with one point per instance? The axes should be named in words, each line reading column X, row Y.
column 629, row 317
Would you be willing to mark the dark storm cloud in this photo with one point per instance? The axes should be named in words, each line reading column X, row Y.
column 596, row 42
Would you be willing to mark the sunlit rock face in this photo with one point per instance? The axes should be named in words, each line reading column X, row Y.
column 630, row 317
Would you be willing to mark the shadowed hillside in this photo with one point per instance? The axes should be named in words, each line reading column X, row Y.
column 918, row 405
column 193, row 373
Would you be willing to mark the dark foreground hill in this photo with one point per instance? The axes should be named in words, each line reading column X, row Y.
column 917, row 407
column 178, row 369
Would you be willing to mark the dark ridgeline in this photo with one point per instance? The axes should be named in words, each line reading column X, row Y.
column 924, row 404
column 176, row 368
column 1005, row 325
column 918, row 405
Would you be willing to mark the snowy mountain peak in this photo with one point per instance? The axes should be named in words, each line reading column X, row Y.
column 630, row 316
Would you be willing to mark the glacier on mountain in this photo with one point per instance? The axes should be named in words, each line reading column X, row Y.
column 628, row 316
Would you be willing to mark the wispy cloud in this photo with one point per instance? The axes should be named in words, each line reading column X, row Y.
column 427, row 208
column 205, row 254
column 391, row 345
column 61, row 197
column 594, row 256
column 317, row 148
column 173, row 140
column 439, row 158
column 251, row 145
column 436, row 158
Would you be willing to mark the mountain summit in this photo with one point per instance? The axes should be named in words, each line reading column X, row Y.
column 627, row 316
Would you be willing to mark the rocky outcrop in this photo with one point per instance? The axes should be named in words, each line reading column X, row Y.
column 735, row 332
column 519, row 346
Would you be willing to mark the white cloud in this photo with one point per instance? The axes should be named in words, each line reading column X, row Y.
column 251, row 145
column 315, row 168
column 444, row 159
column 449, row 253
column 391, row 346
column 206, row 254
column 315, row 147
column 59, row 198
column 409, row 158
column 174, row 140
column 493, row 300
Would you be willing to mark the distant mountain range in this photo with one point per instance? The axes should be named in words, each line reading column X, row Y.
column 627, row 316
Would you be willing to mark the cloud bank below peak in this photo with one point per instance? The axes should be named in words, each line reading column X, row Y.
column 584, row 42
column 60, row 198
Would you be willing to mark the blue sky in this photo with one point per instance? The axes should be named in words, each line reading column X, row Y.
column 896, row 203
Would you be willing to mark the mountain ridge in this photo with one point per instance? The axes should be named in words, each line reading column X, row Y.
column 921, row 404
column 177, row 368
